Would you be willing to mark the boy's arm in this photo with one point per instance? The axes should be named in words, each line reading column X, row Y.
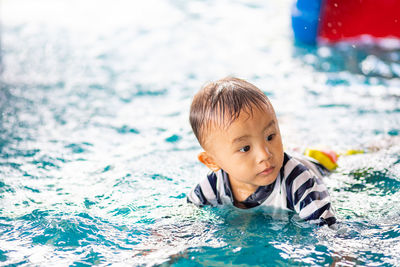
column 205, row 193
column 316, row 204
column 309, row 197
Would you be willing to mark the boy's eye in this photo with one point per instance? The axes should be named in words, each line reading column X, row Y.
column 270, row 137
column 244, row 149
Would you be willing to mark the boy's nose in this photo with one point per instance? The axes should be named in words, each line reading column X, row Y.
column 264, row 154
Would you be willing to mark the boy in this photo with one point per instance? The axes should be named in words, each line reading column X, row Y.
column 236, row 126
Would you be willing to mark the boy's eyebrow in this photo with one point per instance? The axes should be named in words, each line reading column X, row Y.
column 270, row 124
column 236, row 140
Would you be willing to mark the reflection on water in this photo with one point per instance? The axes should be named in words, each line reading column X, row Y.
column 96, row 152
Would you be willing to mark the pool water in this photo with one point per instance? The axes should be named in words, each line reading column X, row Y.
column 97, row 155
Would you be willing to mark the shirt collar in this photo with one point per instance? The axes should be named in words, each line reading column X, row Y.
column 255, row 199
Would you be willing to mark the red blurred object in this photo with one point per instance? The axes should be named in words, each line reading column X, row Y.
column 348, row 19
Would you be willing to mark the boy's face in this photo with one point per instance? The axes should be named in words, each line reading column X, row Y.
column 250, row 150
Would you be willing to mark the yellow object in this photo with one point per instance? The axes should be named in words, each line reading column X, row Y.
column 327, row 158
column 353, row 152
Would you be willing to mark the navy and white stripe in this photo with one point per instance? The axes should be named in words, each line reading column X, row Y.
column 298, row 187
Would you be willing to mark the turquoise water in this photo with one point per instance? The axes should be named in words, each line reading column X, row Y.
column 96, row 152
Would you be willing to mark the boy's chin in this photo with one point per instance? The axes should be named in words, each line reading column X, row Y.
column 267, row 181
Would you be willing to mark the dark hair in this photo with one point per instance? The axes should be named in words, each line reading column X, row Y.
column 221, row 102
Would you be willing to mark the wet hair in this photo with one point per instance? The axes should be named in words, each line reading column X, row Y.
column 220, row 103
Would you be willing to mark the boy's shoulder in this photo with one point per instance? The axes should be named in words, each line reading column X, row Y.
column 206, row 192
column 295, row 164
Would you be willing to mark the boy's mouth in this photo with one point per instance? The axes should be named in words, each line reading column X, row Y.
column 267, row 171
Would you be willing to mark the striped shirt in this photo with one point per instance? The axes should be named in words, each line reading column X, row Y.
column 298, row 187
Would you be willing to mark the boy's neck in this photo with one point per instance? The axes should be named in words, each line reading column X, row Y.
column 241, row 191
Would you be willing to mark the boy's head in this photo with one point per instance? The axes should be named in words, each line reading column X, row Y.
column 236, row 125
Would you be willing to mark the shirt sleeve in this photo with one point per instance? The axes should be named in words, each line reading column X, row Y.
column 205, row 193
column 309, row 197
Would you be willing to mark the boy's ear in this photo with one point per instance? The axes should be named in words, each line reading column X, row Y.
column 208, row 161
